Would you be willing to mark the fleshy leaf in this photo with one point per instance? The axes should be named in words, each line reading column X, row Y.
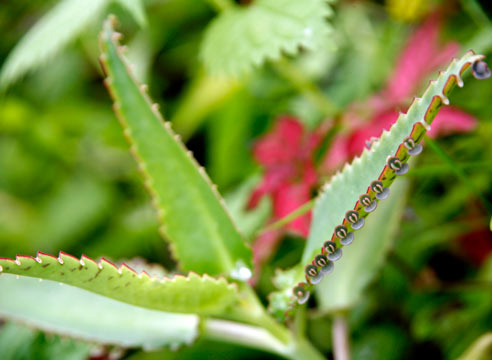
column 193, row 214
column 190, row 294
column 71, row 311
column 243, row 37
column 58, row 27
column 343, row 191
column 362, row 259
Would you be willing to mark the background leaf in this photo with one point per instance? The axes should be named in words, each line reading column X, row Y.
column 189, row 294
column 59, row 26
column 241, row 38
column 91, row 316
column 137, row 9
column 19, row 342
column 194, row 216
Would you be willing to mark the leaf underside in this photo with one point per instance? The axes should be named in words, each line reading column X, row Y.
column 342, row 192
column 241, row 38
column 203, row 236
column 67, row 310
column 190, row 294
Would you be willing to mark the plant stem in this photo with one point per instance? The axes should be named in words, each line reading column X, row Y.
column 306, row 87
column 242, row 334
column 341, row 348
column 303, row 350
column 458, row 171
column 301, row 210
column 252, row 311
column 257, row 338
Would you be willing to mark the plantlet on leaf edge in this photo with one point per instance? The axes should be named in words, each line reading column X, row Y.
column 396, row 165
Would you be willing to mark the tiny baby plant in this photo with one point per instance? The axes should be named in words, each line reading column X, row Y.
column 210, row 296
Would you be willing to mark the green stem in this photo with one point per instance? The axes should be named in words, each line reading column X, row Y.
column 263, row 332
column 458, row 171
column 242, row 334
column 257, row 338
column 252, row 311
column 303, row 350
column 289, row 217
column 306, row 87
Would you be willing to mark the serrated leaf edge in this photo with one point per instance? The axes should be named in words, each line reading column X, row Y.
column 109, row 25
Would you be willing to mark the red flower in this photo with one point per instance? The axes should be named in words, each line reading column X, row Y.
column 286, row 154
column 420, row 57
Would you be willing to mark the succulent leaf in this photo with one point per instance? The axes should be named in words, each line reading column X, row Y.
column 67, row 310
column 193, row 214
column 370, row 174
column 185, row 294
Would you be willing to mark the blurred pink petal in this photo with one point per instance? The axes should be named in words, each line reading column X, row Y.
column 337, row 154
column 281, row 144
column 263, row 248
column 272, row 179
column 451, row 120
column 359, row 138
column 419, row 57
column 289, row 198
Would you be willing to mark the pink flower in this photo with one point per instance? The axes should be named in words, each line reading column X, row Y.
column 286, row 154
column 420, row 57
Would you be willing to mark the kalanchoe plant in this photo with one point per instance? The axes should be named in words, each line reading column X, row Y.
column 116, row 305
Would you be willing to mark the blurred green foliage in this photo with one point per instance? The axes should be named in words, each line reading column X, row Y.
column 68, row 183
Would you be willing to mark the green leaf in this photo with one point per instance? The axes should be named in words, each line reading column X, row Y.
column 362, row 260
column 137, row 9
column 58, row 27
column 344, row 189
column 67, row 310
column 243, row 37
column 342, row 192
column 191, row 294
column 195, row 220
